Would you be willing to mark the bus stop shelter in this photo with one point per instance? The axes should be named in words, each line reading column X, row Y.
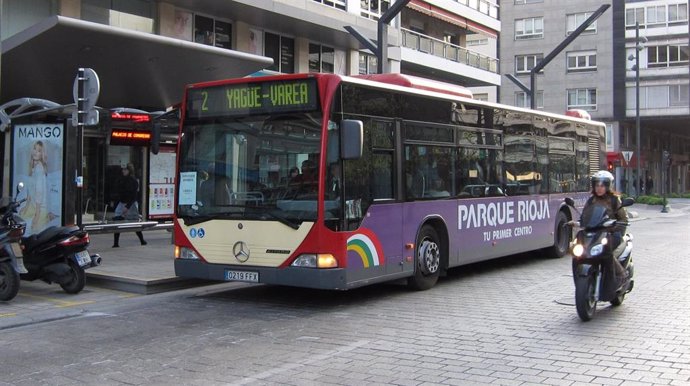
column 135, row 69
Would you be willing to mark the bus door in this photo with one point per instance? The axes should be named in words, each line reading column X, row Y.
column 370, row 209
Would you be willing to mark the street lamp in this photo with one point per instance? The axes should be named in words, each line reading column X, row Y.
column 636, row 67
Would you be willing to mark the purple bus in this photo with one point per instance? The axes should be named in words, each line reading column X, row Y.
column 336, row 182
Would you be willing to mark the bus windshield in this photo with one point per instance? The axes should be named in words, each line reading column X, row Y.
column 254, row 167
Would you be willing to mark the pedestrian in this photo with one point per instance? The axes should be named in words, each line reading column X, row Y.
column 650, row 185
column 127, row 207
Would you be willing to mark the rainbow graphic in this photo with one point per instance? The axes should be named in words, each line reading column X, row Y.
column 366, row 245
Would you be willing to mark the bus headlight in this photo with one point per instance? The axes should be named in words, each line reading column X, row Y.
column 578, row 250
column 321, row 260
column 185, row 253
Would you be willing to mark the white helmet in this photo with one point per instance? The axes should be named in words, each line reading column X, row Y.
column 602, row 177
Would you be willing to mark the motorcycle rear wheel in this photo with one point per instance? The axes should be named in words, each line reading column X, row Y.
column 77, row 281
column 585, row 299
column 9, row 281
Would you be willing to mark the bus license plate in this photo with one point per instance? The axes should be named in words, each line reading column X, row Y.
column 250, row 277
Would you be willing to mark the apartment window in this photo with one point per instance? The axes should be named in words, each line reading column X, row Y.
column 528, row 1
column 212, row 32
column 530, row 28
column 131, row 14
column 679, row 95
column 575, row 20
column 523, row 100
column 525, row 63
column 656, row 15
column 634, row 15
column 477, row 42
column 582, row 98
column 481, row 97
column 282, row 50
column 339, row 4
column 321, row 58
column 667, row 56
column 373, row 9
column 582, row 61
column 368, row 64
column 677, row 13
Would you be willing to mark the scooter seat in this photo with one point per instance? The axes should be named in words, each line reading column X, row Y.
column 47, row 235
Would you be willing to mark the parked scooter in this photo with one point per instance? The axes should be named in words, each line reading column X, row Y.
column 593, row 255
column 59, row 254
column 12, row 229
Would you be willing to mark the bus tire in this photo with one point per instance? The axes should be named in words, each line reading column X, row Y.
column 561, row 237
column 427, row 260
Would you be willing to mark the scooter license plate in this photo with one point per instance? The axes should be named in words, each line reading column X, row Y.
column 83, row 258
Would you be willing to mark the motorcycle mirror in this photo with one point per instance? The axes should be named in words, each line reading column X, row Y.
column 628, row 201
column 569, row 201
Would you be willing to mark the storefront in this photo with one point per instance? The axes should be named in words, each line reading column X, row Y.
column 42, row 153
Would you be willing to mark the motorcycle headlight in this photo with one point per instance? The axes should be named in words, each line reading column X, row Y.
column 578, row 250
column 597, row 249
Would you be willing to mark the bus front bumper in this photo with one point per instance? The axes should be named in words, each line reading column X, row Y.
column 332, row 278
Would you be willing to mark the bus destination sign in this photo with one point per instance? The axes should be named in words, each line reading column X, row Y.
column 296, row 95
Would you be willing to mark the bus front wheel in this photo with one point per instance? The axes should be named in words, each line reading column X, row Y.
column 562, row 234
column 427, row 260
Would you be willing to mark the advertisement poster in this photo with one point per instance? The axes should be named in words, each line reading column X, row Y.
column 162, row 183
column 37, row 152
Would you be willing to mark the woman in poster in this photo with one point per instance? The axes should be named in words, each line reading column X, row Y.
column 36, row 206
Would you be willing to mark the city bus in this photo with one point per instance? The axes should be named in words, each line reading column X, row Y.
column 335, row 182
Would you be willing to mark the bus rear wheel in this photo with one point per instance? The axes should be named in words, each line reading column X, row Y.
column 427, row 260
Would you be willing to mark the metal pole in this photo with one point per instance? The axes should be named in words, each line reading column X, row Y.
column 637, row 106
column 81, row 118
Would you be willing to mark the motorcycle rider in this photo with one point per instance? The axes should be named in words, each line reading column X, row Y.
column 603, row 195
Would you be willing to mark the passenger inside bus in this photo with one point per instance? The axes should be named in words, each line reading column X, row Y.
column 305, row 185
column 213, row 189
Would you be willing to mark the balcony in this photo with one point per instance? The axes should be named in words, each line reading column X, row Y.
column 449, row 51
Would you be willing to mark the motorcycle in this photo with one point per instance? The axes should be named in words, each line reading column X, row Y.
column 593, row 253
column 12, row 228
column 59, row 254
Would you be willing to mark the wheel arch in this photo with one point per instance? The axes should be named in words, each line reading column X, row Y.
column 439, row 224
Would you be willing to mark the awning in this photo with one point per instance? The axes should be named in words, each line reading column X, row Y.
column 135, row 69
column 449, row 17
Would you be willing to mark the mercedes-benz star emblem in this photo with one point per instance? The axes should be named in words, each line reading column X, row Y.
column 241, row 251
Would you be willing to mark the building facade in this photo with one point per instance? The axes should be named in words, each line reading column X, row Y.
column 146, row 51
column 595, row 73
column 449, row 40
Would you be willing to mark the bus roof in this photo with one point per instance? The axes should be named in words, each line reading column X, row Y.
column 419, row 83
column 407, row 83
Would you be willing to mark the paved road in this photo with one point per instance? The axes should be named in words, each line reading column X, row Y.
column 507, row 322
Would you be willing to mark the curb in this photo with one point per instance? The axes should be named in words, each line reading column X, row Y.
column 142, row 286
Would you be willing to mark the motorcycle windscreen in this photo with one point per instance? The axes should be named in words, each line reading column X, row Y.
column 593, row 216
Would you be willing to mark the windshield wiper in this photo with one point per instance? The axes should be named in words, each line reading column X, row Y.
column 283, row 220
column 192, row 220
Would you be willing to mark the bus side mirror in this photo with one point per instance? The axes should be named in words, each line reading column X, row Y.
column 155, row 137
column 352, row 139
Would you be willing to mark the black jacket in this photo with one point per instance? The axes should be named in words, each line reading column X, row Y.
column 128, row 187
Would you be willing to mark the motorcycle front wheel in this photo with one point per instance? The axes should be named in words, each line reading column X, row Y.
column 77, row 279
column 585, row 297
column 9, row 281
